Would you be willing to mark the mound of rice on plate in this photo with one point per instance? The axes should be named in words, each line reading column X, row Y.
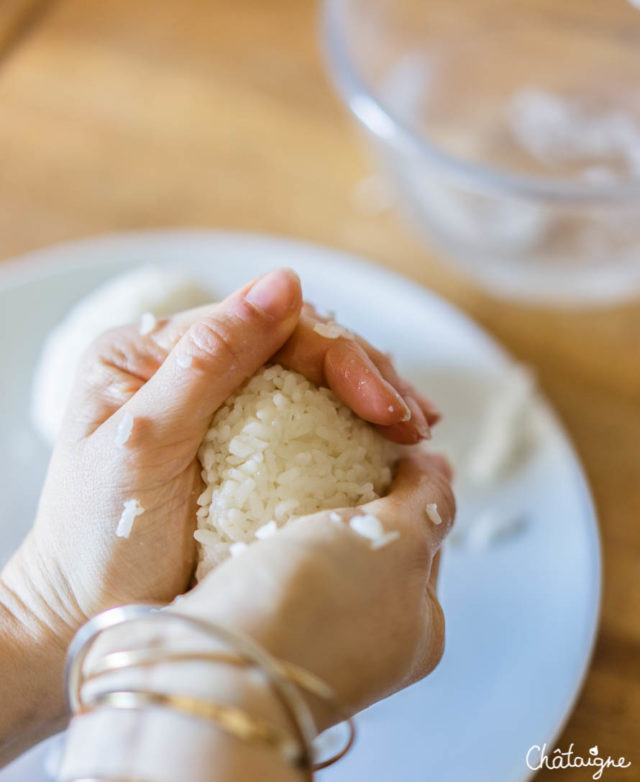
column 279, row 448
column 141, row 294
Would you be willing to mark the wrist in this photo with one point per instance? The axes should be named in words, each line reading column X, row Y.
column 280, row 640
column 38, row 599
column 31, row 676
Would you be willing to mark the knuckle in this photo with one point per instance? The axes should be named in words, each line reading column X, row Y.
column 439, row 487
column 215, row 339
column 104, row 345
column 118, row 350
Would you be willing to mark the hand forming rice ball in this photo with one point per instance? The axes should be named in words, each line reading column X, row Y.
column 139, row 295
column 279, row 448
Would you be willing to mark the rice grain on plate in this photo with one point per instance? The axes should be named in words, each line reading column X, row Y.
column 279, row 448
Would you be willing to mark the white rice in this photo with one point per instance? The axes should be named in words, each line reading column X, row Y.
column 367, row 525
column 124, row 428
column 505, row 429
column 132, row 509
column 266, row 530
column 384, row 540
column 237, row 548
column 332, row 330
column 280, row 448
column 370, row 527
column 148, row 322
column 122, row 299
column 433, row 514
column 492, row 527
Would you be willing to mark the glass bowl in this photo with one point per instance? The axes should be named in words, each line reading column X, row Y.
column 510, row 131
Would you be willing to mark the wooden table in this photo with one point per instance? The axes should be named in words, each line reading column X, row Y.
column 138, row 113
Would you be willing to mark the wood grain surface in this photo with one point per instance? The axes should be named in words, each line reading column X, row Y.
column 131, row 114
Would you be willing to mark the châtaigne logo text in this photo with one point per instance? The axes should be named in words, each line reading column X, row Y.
column 538, row 758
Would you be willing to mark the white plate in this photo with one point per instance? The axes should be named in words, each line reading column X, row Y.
column 521, row 616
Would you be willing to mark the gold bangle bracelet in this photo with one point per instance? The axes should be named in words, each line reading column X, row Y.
column 232, row 720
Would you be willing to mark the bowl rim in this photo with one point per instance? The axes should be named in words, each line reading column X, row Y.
column 381, row 121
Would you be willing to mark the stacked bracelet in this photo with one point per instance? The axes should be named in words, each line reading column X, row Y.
column 286, row 681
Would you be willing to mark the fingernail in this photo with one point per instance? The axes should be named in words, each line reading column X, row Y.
column 418, row 419
column 424, row 431
column 276, row 293
column 398, row 406
column 405, row 409
column 430, row 410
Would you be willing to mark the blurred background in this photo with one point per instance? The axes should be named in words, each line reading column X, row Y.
column 514, row 192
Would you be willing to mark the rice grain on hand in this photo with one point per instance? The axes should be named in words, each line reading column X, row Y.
column 332, row 330
column 433, row 514
column 370, row 527
column 131, row 510
column 125, row 427
column 281, row 448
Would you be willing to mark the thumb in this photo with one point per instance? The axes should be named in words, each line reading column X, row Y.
column 218, row 352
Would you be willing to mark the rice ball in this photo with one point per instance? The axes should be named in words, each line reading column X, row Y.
column 147, row 291
column 279, row 448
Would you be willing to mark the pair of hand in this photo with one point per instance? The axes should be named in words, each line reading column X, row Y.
column 315, row 594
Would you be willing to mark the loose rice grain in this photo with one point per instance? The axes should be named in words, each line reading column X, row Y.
column 131, row 510
column 432, row 513
column 148, row 323
column 124, row 428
